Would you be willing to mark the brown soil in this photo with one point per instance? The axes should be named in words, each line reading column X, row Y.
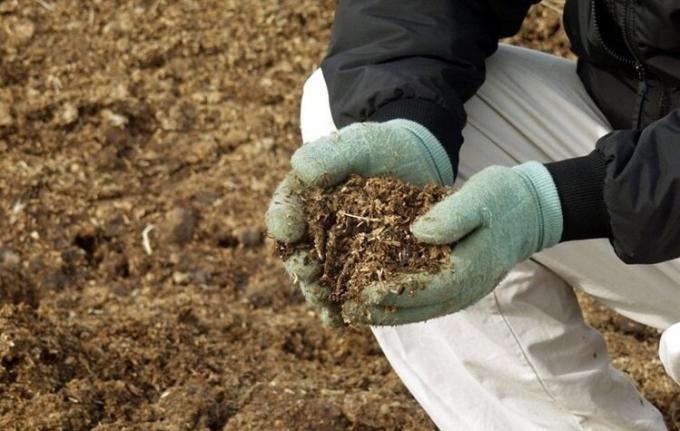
column 123, row 115
column 359, row 230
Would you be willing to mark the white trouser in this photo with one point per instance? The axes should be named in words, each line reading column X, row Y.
column 522, row 358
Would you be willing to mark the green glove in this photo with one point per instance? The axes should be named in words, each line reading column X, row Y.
column 499, row 218
column 398, row 148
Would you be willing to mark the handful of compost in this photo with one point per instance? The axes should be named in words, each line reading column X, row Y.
column 358, row 235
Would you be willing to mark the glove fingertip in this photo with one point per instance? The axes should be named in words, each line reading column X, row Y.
column 324, row 162
column 428, row 229
column 309, row 167
column 313, row 296
column 446, row 224
column 331, row 318
column 284, row 223
column 354, row 312
column 285, row 216
column 303, row 267
column 374, row 293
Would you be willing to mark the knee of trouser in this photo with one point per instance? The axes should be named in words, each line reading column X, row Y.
column 316, row 120
column 669, row 351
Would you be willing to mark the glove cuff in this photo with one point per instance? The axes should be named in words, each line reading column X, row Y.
column 444, row 124
column 543, row 187
column 440, row 159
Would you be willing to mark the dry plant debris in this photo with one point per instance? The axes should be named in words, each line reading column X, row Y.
column 359, row 230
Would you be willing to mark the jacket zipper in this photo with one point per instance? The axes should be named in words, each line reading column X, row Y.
column 634, row 62
column 609, row 51
column 642, row 93
column 639, row 66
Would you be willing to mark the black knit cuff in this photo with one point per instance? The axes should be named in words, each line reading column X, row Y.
column 580, row 185
column 444, row 125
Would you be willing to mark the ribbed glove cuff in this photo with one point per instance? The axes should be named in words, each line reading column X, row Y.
column 432, row 146
column 544, row 190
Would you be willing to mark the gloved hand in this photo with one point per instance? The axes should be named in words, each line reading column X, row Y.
column 669, row 351
column 399, row 148
column 500, row 217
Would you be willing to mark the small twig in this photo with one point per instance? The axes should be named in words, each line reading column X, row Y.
column 46, row 5
column 554, row 5
column 146, row 242
column 343, row 213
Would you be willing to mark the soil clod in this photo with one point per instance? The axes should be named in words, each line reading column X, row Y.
column 179, row 225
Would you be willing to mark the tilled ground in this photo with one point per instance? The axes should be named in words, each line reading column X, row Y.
column 139, row 144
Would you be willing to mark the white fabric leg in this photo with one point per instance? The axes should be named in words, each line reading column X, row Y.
column 669, row 351
column 522, row 358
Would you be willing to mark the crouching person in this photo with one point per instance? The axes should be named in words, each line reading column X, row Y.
column 570, row 177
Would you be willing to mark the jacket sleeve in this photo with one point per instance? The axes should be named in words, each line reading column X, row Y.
column 413, row 59
column 628, row 189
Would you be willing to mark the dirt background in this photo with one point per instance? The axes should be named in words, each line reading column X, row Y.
column 177, row 119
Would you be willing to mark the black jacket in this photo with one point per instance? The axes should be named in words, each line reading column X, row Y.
column 421, row 60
